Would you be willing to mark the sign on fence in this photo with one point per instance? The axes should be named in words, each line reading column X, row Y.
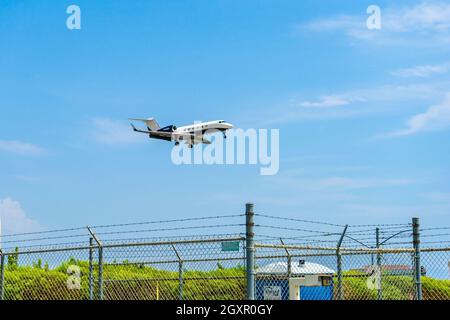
column 230, row 246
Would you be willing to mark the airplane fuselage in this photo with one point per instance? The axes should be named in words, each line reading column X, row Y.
column 191, row 134
column 219, row 125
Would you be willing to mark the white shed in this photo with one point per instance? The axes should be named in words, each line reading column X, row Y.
column 297, row 269
column 307, row 280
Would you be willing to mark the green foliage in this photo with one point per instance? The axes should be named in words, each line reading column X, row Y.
column 38, row 264
column 435, row 289
column 394, row 287
column 138, row 281
column 123, row 281
column 13, row 260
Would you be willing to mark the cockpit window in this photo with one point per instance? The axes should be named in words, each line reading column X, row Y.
column 221, row 121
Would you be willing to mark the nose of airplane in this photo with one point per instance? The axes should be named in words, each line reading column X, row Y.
column 229, row 125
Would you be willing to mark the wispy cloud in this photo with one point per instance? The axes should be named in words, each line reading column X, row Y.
column 426, row 16
column 428, row 21
column 22, row 148
column 296, row 180
column 356, row 103
column 353, row 26
column 111, row 132
column 326, row 102
column 422, row 71
column 14, row 219
column 435, row 118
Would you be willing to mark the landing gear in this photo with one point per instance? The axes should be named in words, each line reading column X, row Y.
column 190, row 146
column 224, row 135
column 177, row 143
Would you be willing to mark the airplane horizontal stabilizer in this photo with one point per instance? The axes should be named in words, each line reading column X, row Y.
column 150, row 122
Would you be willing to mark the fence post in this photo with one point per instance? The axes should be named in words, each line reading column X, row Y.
column 91, row 270
column 417, row 265
column 2, row 275
column 180, row 273
column 180, row 279
column 250, row 250
column 289, row 259
column 100, row 264
column 100, row 273
column 379, row 283
column 340, row 293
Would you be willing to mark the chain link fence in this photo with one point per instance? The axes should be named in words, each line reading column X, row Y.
column 286, row 259
column 199, row 269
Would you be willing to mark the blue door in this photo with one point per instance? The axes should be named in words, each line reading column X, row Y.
column 316, row 293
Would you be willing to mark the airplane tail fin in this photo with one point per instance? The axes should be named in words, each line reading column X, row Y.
column 151, row 123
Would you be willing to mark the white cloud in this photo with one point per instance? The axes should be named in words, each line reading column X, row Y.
column 21, row 148
column 426, row 23
column 296, row 181
column 14, row 218
column 435, row 118
column 326, row 102
column 422, row 17
column 110, row 132
column 422, row 71
column 352, row 26
column 355, row 103
column 339, row 22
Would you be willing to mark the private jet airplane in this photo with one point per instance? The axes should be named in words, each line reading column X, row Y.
column 191, row 134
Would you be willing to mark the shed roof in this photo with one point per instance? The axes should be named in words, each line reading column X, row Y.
column 296, row 268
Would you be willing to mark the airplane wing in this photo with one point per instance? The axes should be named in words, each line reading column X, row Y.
column 160, row 134
column 169, row 136
column 190, row 138
column 206, row 141
column 200, row 139
column 155, row 134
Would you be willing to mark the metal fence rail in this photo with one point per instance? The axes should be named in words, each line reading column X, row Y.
column 266, row 260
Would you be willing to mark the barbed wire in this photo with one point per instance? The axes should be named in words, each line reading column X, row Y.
column 167, row 221
column 299, row 220
column 362, row 234
column 434, row 242
column 121, row 225
column 435, row 228
column 46, row 238
column 41, row 232
column 173, row 238
column 47, row 246
column 384, row 225
column 297, row 229
column 171, row 229
column 434, row 235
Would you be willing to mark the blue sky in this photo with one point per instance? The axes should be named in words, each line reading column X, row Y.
column 364, row 115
